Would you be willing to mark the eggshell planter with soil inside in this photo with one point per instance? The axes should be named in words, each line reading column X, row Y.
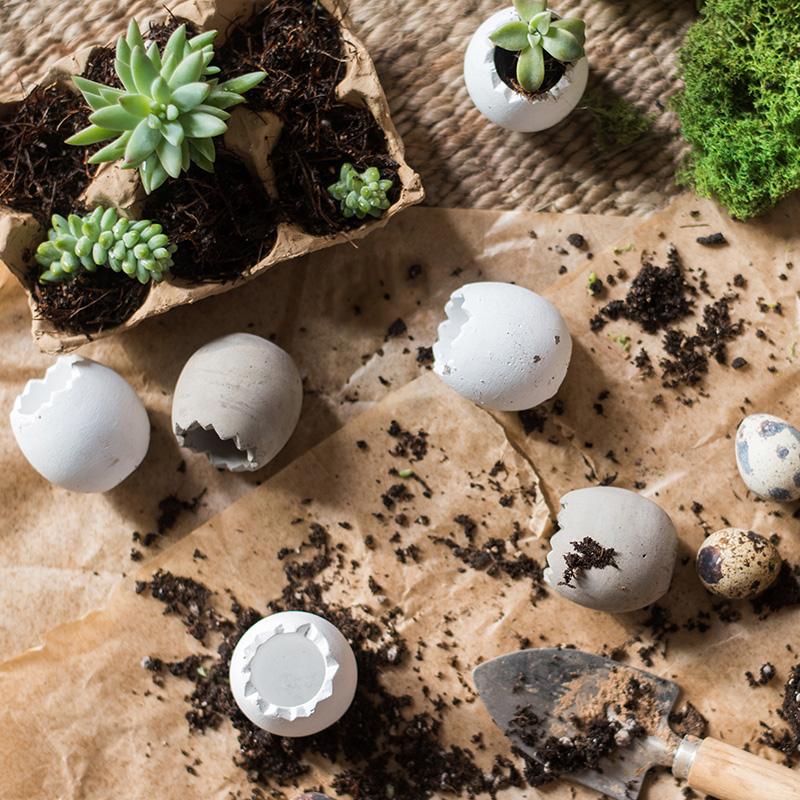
column 263, row 213
column 488, row 74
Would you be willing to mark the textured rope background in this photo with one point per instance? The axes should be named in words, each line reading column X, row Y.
column 418, row 47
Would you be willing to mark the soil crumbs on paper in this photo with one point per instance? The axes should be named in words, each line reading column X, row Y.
column 222, row 222
column 658, row 298
column 383, row 740
column 298, row 43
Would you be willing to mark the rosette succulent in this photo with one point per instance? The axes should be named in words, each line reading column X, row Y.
column 361, row 194
column 139, row 248
column 168, row 112
column 538, row 32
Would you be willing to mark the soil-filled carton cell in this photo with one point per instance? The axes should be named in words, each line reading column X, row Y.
column 321, row 105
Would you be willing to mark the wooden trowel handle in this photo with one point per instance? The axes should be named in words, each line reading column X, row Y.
column 718, row 769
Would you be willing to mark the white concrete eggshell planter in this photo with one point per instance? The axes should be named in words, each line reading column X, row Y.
column 499, row 102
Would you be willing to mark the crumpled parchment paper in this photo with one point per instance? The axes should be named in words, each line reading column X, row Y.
column 78, row 721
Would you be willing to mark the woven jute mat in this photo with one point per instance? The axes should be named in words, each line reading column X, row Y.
column 418, row 47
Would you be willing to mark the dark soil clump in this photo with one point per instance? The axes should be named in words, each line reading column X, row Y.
column 784, row 593
column 89, row 302
column 39, row 173
column 791, row 702
column 222, row 223
column 657, row 297
column 585, row 555
column 505, row 63
column 299, row 45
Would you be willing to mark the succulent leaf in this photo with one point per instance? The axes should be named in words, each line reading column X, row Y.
column 561, row 44
column 90, row 135
column 535, row 33
column 167, row 114
column 512, row 36
column 530, row 69
column 528, row 8
column 102, row 239
column 577, row 27
column 360, row 195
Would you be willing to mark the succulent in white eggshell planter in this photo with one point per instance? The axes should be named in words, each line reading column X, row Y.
column 525, row 67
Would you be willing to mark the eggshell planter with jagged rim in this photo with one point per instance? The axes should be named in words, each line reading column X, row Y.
column 497, row 101
column 250, row 137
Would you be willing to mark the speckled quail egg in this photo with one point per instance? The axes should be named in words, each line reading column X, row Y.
column 81, row 426
column 614, row 551
column 768, row 457
column 737, row 564
column 237, row 400
column 502, row 346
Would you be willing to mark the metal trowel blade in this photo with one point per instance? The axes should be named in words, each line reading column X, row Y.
column 555, row 685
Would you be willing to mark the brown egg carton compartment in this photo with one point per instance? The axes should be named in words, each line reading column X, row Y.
column 252, row 136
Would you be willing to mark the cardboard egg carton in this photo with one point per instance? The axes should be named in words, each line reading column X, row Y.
column 251, row 137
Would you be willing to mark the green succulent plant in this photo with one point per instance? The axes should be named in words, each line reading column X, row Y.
column 538, row 32
column 168, row 112
column 139, row 248
column 361, row 194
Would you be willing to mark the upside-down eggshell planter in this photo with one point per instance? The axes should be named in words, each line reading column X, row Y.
column 293, row 674
column 499, row 102
column 81, row 426
column 250, row 136
column 640, row 533
column 502, row 346
column 237, row 401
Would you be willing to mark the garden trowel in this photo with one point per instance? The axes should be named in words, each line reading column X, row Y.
column 555, row 688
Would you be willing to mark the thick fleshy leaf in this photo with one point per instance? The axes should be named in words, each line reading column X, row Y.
column 91, row 92
column 190, row 95
column 91, row 135
column 134, row 36
column 222, row 99
column 206, row 148
column 175, row 45
column 141, row 145
column 199, row 125
column 242, row 83
column 530, row 69
column 137, row 104
column 188, row 71
column 142, row 69
column 154, row 56
column 200, row 159
column 541, row 22
column 512, row 36
column 110, row 94
column 561, row 44
column 185, row 156
column 156, row 174
column 168, row 67
column 527, row 8
column 170, row 158
column 159, row 91
column 116, row 118
column 577, row 27
column 122, row 64
column 173, row 133
column 214, row 111
column 201, row 40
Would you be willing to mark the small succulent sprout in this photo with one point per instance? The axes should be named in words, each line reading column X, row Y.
column 102, row 238
column 538, row 32
column 171, row 108
column 361, row 194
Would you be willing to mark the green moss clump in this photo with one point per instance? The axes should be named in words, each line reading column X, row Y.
column 617, row 123
column 740, row 109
